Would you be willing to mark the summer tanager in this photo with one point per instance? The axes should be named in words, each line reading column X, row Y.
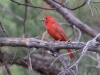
column 56, row 31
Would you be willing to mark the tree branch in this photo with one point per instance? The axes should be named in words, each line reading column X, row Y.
column 51, row 45
column 32, row 5
column 41, row 64
column 3, row 29
column 71, row 8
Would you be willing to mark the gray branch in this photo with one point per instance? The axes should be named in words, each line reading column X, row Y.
column 39, row 63
column 50, row 45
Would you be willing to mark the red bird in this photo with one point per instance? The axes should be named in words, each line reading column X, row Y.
column 56, row 31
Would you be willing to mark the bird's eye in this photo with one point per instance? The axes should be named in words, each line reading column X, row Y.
column 46, row 18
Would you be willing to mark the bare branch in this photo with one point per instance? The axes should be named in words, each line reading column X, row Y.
column 2, row 60
column 38, row 62
column 71, row 8
column 7, row 68
column 88, row 2
column 96, row 8
column 77, row 35
column 3, row 29
column 43, row 35
column 32, row 5
column 30, row 63
column 61, row 56
column 24, row 33
column 53, row 45
column 4, row 9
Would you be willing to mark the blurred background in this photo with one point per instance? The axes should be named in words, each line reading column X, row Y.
column 12, row 18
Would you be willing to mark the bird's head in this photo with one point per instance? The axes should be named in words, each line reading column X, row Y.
column 48, row 19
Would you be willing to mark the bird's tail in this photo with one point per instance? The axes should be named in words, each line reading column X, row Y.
column 71, row 55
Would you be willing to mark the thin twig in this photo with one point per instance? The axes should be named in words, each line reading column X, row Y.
column 88, row 2
column 30, row 62
column 4, row 31
column 32, row 5
column 96, row 8
column 65, row 65
column 71, row 8
column 7, row 68
column 43, row 35
column 80, row 34
column 61, row 56
column 25, row 20
column 14, row 56
column 91, row 56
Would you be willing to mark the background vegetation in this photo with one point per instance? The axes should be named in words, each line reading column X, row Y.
column 12, row 18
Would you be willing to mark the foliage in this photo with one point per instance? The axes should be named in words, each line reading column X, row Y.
column 11, row 12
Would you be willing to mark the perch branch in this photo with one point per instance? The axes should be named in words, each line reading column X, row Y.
column 51, row 45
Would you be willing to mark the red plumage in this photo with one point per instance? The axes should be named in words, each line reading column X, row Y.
column 56, row 31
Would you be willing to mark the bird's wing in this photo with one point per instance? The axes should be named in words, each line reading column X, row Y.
column 59, row 29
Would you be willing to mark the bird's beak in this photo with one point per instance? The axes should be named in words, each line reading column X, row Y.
column 42, row 19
